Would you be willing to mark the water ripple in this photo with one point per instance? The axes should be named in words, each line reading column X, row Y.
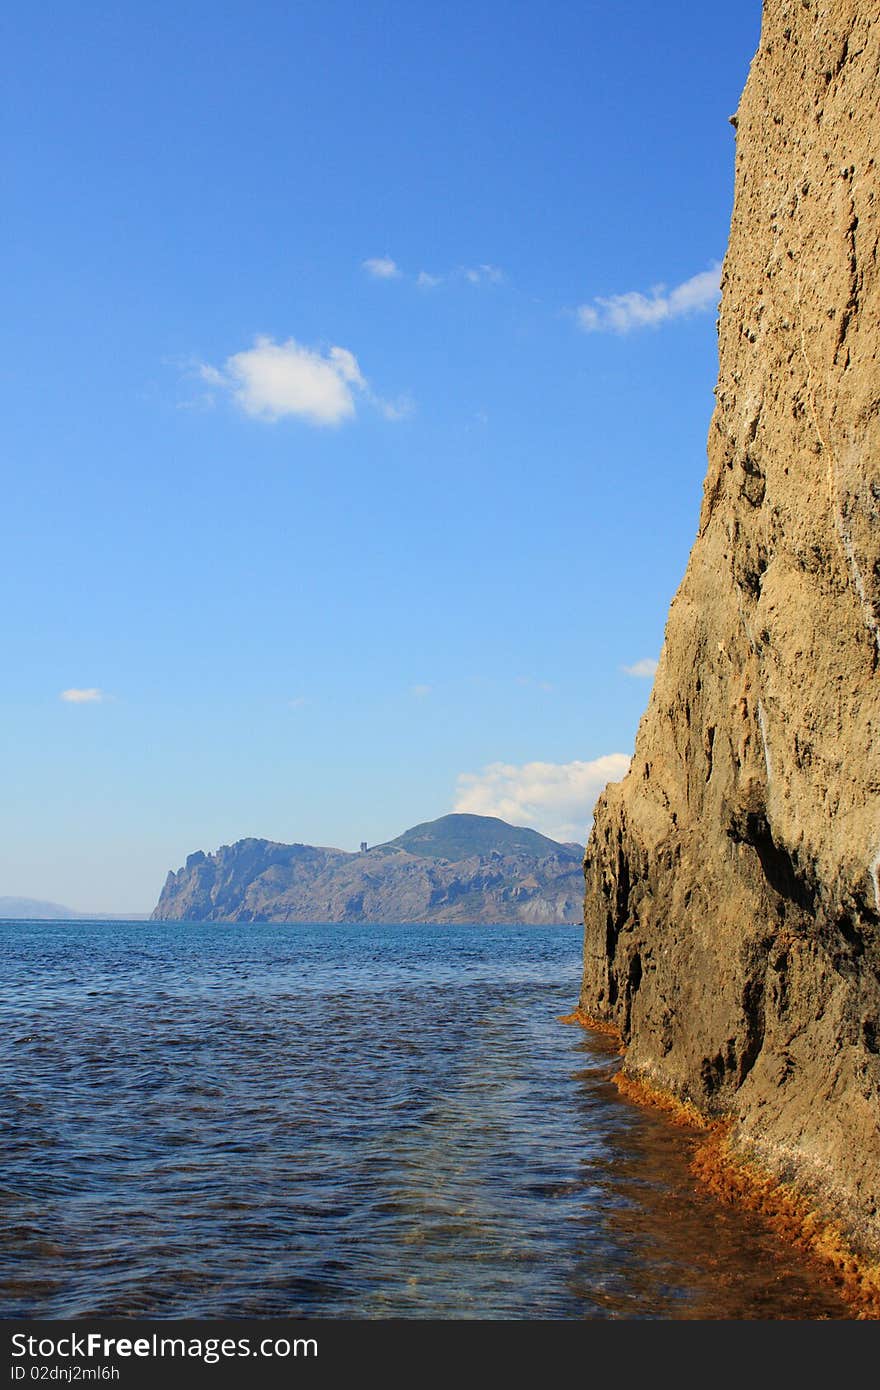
column 205, row 1121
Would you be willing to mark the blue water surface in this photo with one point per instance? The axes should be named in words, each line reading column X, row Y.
column 204, row 1120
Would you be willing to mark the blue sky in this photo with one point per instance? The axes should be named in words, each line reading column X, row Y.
column 357, row 374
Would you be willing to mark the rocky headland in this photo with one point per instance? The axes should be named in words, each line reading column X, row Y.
column 460, row 868
column 732, row 895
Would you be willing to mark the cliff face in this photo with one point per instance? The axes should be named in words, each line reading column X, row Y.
column 460, row 868
column 732, row 890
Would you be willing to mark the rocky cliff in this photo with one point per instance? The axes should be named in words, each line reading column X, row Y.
column 732, row 892
column 459, row 868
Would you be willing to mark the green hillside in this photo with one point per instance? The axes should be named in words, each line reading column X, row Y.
column 463, row 836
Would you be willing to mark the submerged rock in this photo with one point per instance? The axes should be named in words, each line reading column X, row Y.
column 732, row 898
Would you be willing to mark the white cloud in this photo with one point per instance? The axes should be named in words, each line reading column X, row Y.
column 428, row 282
column 555, row 798
column 647, row 666
column 421, row 690
column 273, row 380
column 381, row 268
column 620, row 313
column 92, row 696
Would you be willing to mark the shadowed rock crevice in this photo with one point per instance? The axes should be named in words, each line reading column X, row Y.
column 778, row 865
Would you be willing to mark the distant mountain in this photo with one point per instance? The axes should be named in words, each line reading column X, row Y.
column 31, row 909
column 459, row 868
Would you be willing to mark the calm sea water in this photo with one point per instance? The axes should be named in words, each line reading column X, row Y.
column 208, row 1120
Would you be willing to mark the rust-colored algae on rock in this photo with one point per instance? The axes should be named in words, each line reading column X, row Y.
column 679, row 1112
column 732, row 906
column 594, row 1025
column 733, row 1178
column 789, row 1213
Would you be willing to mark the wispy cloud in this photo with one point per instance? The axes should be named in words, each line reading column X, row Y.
column 483, row 275
column 555, row 798
column 298, row 703
column 90, row 696
column 621, row 313
column 400, row 409
column 546, row 686
column 382, row 268
column 420, row 691
column 271, row 381
column 644, row 668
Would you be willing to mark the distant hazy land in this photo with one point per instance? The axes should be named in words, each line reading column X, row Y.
column 35, row 910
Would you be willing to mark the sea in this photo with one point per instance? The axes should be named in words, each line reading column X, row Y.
column 205, row 1120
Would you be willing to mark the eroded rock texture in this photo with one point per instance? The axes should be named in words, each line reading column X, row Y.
column 733, row 902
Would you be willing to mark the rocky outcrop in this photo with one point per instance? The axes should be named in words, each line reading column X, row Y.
column 460, row 868
column 732, row 892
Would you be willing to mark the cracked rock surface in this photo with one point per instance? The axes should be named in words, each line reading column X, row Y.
column 732, row 898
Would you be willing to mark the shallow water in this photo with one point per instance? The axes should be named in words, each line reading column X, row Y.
column 210, row 1120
